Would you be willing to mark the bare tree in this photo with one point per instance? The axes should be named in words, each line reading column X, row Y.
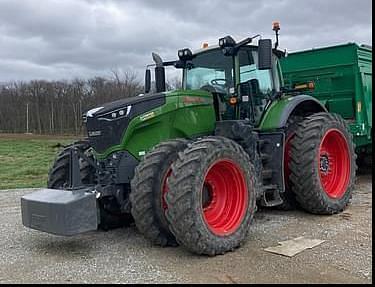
column 56, row 107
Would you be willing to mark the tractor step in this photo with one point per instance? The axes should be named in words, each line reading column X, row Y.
column 60, row 212
column 272, row 155
column 271, row 196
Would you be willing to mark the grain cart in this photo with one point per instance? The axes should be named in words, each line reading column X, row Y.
column 190, row 166
column 342, row 79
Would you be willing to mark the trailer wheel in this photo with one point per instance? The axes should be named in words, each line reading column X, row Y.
column 148, row 187
column 323, row 164
column 211, row 199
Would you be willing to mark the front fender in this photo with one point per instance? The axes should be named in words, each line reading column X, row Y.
column 278, row 113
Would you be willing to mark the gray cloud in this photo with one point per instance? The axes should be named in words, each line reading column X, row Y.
column 82, row 38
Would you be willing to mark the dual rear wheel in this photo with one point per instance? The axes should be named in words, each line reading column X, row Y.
column 321, row 164
column 201, row 195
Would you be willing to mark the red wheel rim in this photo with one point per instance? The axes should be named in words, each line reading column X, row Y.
column 334, row 163
column 226, row 200
column 287, row 157
column 164, row 188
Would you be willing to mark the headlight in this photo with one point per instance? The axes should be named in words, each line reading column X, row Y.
column 116, row 114
column 185, row 54
column 227, row 41
column 91, row 112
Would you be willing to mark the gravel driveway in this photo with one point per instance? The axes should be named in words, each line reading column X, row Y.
column 124, row 256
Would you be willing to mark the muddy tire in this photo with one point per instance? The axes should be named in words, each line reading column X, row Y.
column 323, row 164
column 288, row 197
column 147, row 189
column 212, row 197
column 58, row 176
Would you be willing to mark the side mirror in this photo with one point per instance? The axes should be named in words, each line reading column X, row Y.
column 147, row 81
column 264, row 54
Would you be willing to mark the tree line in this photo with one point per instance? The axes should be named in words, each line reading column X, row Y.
column 56, row 107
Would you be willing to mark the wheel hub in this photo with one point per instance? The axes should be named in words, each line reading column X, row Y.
column 224, row 197
column 334, row 163
column 324, row 163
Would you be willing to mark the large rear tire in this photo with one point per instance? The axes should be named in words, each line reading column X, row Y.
column 212, row 197
column 323, row 164
column 288, row 197
column 148, row 188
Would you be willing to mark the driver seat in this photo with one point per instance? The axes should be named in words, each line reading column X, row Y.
column 219, row 100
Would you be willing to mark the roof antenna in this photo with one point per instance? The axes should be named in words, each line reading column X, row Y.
column 276, row 28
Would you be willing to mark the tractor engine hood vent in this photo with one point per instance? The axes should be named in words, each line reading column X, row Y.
column 106, row 125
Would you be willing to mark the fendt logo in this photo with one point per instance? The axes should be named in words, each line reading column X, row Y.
column 193, row 100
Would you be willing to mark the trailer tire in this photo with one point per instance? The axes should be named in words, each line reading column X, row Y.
column 323, row 164
column 148, row 187
column 212, row 197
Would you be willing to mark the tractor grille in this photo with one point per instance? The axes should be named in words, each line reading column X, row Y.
column 104, row 134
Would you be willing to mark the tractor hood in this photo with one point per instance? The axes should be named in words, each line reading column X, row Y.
column 107, row 124
column 123, row 104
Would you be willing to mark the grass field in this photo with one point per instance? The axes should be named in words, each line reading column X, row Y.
column 26, row 159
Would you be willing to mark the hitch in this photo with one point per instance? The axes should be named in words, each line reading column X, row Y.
column 75, row 181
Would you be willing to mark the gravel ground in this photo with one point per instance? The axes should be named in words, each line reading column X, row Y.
column 124, row 256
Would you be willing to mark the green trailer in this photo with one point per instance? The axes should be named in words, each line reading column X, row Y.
column 342, row 81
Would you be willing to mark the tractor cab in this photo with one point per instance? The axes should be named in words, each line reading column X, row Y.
column 242, row 78
column 240, row 88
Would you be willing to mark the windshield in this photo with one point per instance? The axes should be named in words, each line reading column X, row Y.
column 210, row 68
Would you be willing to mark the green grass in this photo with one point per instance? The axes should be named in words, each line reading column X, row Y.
column 25, row 162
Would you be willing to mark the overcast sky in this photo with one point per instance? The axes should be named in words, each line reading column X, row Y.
column 53, row 39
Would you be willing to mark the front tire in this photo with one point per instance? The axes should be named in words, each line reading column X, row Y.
column 211, row 199
column 323, row 164
column 148, row 188
column 58, row 176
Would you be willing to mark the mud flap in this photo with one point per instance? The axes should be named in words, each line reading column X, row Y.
column 60, row 212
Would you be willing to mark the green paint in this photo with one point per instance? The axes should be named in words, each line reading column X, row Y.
column 185, row 114
column 343, row 83
column 272, row 116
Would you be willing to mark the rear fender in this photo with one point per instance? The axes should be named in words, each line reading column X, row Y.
column 278, row 113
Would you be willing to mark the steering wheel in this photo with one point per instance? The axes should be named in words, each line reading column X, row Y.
column 216, row 82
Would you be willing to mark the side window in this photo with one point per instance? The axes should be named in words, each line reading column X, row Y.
column 249, row 71
column 255, row 84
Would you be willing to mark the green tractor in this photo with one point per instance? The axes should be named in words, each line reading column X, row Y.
column 191, row 166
